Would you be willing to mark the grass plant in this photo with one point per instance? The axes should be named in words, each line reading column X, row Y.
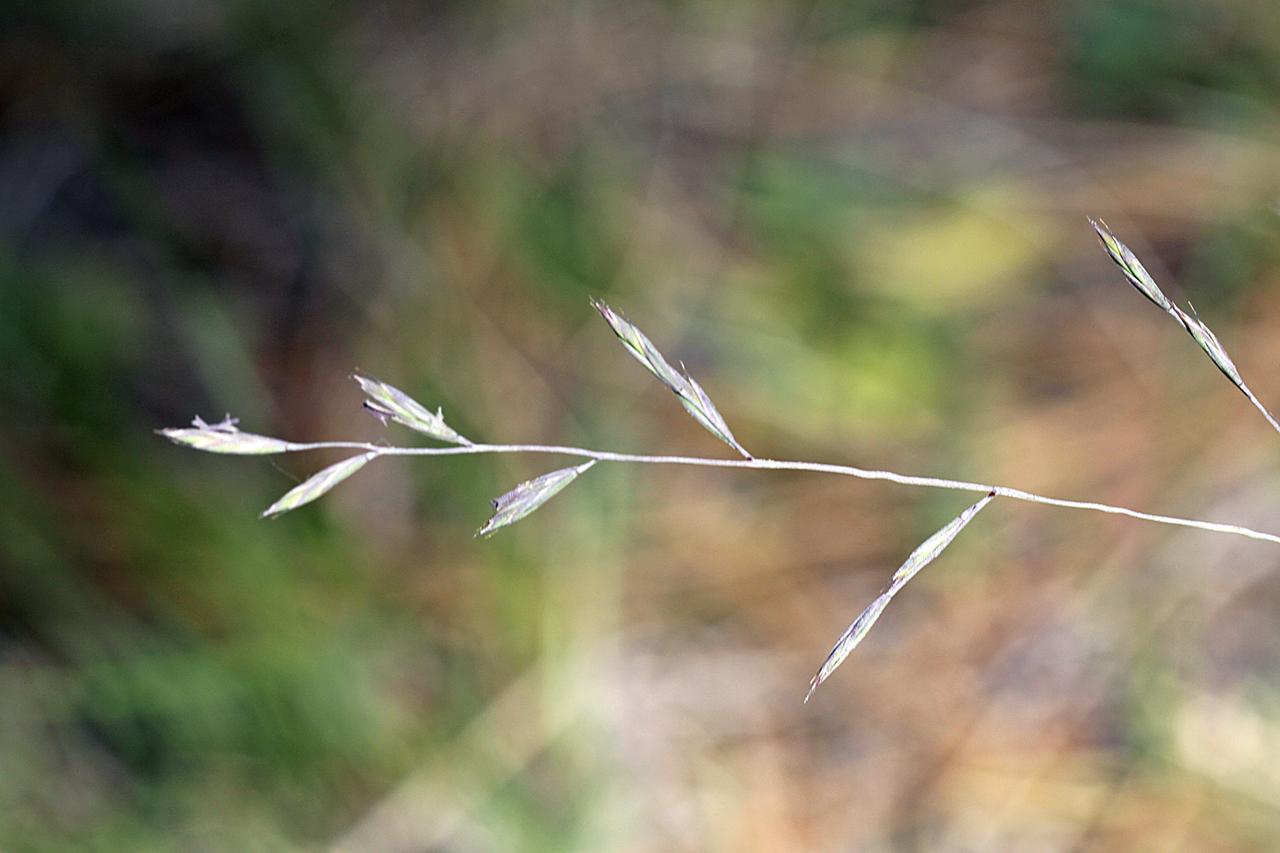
column 390, row 404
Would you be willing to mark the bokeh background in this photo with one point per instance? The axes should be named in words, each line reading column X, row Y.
column 862, row 226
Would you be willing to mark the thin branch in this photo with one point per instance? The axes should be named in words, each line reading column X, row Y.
column 788, row 465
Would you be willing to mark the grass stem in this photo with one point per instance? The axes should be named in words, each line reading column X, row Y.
column 792, row 465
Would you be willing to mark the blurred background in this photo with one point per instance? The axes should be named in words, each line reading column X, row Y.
column 862, row 226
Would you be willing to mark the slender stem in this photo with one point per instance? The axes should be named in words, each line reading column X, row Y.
column 1266, row 413
column 788, row 465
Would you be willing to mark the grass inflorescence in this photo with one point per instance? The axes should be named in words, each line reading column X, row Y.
column 391, row 405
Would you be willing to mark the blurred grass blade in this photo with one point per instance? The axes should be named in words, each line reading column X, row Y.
column 919, row 558
column 930, row 548
column 528, row 496
column 318, row 484
column 224, row 437
column 692, row 397
column 387, row 402
column 1207, row 340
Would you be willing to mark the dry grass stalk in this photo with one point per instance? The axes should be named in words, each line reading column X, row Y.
column 388, row 403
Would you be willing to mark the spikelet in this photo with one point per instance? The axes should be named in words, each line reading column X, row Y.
column 318, row 484
column 692, row 397
column 528, row 496
column 1200, row 333
column 923, row 555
